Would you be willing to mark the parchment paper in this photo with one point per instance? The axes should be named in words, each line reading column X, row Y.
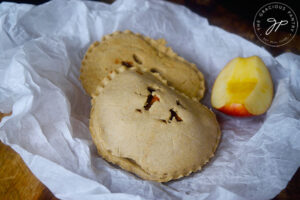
column 41, row 48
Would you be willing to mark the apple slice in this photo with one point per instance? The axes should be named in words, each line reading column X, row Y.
column 243, row 88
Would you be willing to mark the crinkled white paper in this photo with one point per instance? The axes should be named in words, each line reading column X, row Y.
column 41, row 48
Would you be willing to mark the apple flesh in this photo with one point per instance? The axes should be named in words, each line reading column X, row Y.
column 243, row 88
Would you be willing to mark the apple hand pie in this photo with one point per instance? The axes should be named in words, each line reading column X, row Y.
column 148, row 128
column 128, row 49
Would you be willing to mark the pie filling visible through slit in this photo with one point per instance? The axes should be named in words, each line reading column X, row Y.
column 146, row 116
column 128, row 49
column 141, row 124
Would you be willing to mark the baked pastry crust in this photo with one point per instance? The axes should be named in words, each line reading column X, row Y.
column 129, row 49
column 148, row 128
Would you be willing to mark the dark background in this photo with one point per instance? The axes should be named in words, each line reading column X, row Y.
column 236, row 16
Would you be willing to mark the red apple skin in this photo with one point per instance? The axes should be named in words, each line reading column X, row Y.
column 235, row 109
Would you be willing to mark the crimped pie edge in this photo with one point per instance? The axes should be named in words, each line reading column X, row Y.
column 159, row 45
column 124, row 163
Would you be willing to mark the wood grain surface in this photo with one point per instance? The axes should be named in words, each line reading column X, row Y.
column 17, row 181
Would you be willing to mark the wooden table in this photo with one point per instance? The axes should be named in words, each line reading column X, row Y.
column 16, row 180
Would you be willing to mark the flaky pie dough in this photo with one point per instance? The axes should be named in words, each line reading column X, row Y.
column 129, row 49
column 146, row 127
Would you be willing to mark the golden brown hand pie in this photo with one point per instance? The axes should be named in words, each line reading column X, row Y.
column 129, row 49
column 146, row 127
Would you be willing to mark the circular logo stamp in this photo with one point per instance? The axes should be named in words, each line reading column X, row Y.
column 275, row 24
